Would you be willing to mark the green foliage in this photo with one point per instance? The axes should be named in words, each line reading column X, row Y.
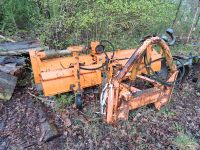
column 63, row 22
column 178, row 128
column 165, row 111
column 185, row 142
column 184, row 49
column 63, row 100
column 185, row 18
column 17, row 14
column 60, row 23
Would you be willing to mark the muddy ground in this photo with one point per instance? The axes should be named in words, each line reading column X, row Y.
column 147, row 128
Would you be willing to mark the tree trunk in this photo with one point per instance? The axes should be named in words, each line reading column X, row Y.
column 192, row 26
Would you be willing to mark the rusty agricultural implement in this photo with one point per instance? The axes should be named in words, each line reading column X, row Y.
column 116, row 71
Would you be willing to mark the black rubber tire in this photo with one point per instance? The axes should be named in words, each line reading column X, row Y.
column 78, row 101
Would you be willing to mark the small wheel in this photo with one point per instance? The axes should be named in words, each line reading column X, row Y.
column 78, row 101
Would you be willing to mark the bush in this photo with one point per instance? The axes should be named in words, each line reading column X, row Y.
column 60, row 23
column 81, row 21
column 17, row 14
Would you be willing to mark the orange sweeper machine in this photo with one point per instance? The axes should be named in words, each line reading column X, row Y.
column 129, row 78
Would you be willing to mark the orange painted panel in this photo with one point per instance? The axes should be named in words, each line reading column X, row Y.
column 62, row 84
column 56, row 75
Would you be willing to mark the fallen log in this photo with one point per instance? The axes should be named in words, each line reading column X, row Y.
column 19, row 61
column 10, row 68
column 19, row 48
column 12, row 64
column 20, row 52
column 7, row 85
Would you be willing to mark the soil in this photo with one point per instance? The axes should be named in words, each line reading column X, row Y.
column 146, row 128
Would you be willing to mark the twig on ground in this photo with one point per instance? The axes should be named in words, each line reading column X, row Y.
column 40, row 98
column 42, row 137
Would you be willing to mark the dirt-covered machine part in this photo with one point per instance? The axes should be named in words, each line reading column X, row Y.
column 71, row 70
column 122, row 97
column 78, row 67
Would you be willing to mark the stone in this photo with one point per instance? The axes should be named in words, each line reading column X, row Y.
column 7, row 85
column 48, row 132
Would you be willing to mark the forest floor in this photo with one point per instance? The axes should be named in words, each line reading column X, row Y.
column 175, row 126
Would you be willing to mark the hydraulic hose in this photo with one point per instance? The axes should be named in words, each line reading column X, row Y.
column 83, row 68
column 112, row 46
column 107, row 58
column 153, row 74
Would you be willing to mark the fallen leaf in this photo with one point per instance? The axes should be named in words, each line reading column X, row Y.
column 67, row 122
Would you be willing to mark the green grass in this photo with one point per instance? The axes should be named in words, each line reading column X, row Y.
column 166, row 111
column 178, row 128
column 185, row 142
column 63, row 100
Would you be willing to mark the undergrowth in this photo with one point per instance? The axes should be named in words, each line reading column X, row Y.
column 63, row 100
column 59, row 23
column 185, row 142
